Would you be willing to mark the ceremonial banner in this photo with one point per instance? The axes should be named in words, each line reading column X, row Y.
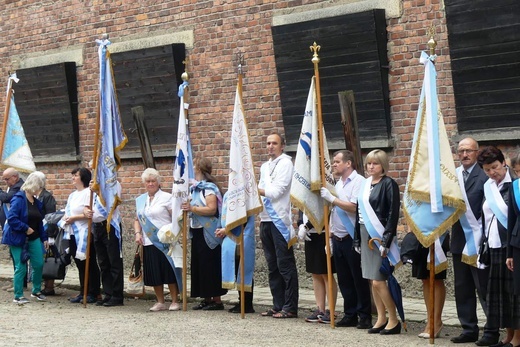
column 243, row 199
column 183, row 166
column 306, row 182
column 111, row 139
column 15, row 149
column 432, row 200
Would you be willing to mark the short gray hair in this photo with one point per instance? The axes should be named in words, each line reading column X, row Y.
column 42, row 176
column 151, row 173
column 33, row 184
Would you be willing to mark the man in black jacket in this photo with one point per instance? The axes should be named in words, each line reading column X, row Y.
column 469, row 279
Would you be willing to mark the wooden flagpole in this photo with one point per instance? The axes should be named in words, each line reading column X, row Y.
column 91, row 200
column 241, row 239
column 185, row 78
column 316, row 60
column 6, row 113
column 432, row 44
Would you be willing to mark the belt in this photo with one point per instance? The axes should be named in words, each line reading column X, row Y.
column 339, row 238
column 100, row 224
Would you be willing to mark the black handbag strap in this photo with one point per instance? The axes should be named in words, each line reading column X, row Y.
column 484, row 236
column 138, row 255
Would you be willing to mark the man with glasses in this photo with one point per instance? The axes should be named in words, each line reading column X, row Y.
column 469, row 279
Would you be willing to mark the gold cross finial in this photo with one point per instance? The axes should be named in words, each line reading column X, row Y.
column 315, row 49
column 431, row 42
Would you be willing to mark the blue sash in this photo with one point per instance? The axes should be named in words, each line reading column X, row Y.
column 278, row 222
column 80, row 235
column 209, row 223
column 496, row 202
column 151, row 232
column 516, row 189
column 343, row 216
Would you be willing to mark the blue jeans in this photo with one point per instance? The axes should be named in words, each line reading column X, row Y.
column 35, row 249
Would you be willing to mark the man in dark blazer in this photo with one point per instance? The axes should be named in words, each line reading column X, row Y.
column 469, row 279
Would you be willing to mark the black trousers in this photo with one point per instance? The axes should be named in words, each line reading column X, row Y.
column 247, row 295
column 468, row 282
column 93, row 272
column 354, row 288
column 283, row 276
column 110, row 260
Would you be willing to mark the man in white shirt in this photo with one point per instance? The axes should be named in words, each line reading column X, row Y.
column 354, row 288
column 276, row 229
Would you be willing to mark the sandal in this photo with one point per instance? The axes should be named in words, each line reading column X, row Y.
column 269, row 313
column 284, row 314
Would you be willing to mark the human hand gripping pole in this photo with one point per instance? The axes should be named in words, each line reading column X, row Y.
column 303, row 233
column 327, row 195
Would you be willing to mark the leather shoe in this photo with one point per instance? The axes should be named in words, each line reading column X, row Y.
column 365, row 323
column 114, row 302
column 236, row 309
column 347, row 322
column 394, row 331
column 105, row 299
column 463, row 338
column 377, row 330
column 486, row 341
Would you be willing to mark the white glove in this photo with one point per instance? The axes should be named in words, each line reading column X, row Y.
column 383, row 251
column 357, row 249
column 303, row 233
column 331, row 250
column 327, row 195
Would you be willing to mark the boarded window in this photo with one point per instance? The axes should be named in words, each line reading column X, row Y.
column 150, row 78
column 484, row 41
column 353, row 57
column 47, row 101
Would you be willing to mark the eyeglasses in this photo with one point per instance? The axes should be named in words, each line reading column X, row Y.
column 468, row 151
column 7, row 178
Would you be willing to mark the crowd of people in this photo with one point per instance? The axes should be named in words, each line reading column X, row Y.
column 363, row 210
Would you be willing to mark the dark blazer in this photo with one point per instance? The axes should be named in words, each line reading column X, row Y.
column 5, row 198
column 513, row 224
column 475, row 191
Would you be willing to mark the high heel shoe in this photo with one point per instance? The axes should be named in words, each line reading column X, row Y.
column 427, row 335
column 377, row 330
column 394, row 331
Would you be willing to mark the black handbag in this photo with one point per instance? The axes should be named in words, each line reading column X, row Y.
column 54, row 267
column 483, row 251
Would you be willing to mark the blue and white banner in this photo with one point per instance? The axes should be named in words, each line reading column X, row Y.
column 432, row 200
column 15, row 149
column 111, row 139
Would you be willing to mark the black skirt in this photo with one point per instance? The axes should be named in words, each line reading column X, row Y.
column 315, row 257
column 206, row 267
column 156, row 267
column 420, row 264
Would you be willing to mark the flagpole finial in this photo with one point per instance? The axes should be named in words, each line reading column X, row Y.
column 104, row 36
column 315, row 49
column 240, row 59
column 431, row 42
column 185, row 77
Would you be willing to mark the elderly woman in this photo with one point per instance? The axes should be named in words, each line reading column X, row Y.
column 204, row 208
column 154, row 210
column 502, row 306
column 24, row 229
column 378, row 215
column 75, row 224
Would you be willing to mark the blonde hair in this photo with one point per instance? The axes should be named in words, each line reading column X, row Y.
column 33, row 184
column 380, row 157
column 151, row 173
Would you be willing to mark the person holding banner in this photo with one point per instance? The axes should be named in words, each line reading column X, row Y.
column 75, row 224
column 205, row 207
column 470, row 278
column 276, row 230
column 154, row 210
column 503, row 309
column 354, row 288
column 378, row 215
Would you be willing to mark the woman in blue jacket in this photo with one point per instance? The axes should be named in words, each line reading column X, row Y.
column 24, row 229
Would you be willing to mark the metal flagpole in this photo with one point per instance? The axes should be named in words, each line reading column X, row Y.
column 316, row 60
column 241, row 239
column 185, row 78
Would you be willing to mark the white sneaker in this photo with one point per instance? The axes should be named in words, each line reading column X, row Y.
column 39, row 296
column 158, row 307
column 20, row 301
column 175, row 306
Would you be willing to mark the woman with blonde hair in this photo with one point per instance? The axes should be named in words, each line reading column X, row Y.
column 378, row 215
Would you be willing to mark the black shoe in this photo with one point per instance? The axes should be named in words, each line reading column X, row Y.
column 365, row 323
column 347, row 322
column 463, row 338
column 91, row 299
column 394, row 331
column 500, row 344
column 48, row 292
column 77, row 299
column 236, row 309
column 487, row 341
column 105, row 299
column 214, row 306
column 202, row 304
column 377, row 330
column 114, row 302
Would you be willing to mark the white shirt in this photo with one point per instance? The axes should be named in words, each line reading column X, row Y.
column 278, row 191
column 76, row 203
column 158, row 212
column 347, row 190
column 97, row 217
